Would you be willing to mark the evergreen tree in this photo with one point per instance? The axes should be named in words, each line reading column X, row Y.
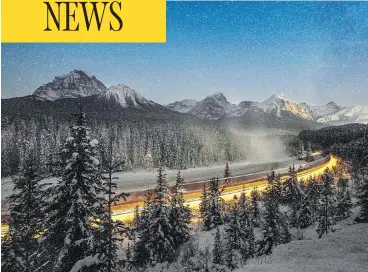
column 71, row 239
column 142, row 234
column 275, row 186
column 275, row 227
column 26, row 204
column 247, row 249
column 179, row 214
column 286, row 236
column 233, row 237
column 360, row 164
column 313, row 192
column 344, row 203
column 227, row 173
column 129, row 261
column 294, row 196
column 239, row 237
column 309, row 154
column 161, row 240
column 255, row 212
column 204, row 209
column 217, row 253
column 215, row 215
column 136, row 224
column 301, row 151
column 309, row 205
column 327, row 207
column 111, row 232
column 363, row 200
column 305, row 215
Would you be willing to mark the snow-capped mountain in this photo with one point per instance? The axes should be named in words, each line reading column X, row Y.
column 125, row 96
column 213, row 107
column 73, row 85
column 120, row 100
column 217, row 106
column 355, row 114
column 182, row 106
column 278, row 105
column 323, row 110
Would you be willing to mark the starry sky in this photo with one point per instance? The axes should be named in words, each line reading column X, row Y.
column 313, row 52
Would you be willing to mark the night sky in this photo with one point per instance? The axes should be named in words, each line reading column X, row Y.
column 313, row 52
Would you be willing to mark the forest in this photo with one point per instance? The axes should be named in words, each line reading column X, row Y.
column 69, row 226
column 141, row 145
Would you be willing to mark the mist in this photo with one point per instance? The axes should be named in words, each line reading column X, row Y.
column 259, row 145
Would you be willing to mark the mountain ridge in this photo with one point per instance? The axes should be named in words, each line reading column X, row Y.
column 75, row 84
column 121, row 98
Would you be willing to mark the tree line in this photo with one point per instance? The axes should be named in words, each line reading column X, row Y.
column 142, row 145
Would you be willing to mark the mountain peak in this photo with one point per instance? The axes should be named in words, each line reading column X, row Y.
column 212, row 107
column 333, row 104
column 75, row 84
column 122, row 89
column 125, row 96
column 218, row 94
column 272, row 99
column 182, row 106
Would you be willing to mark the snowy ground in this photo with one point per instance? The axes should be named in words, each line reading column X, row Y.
column 345, row 250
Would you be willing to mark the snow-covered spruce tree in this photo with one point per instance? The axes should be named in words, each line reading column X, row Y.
column 179, row 214
column 215, row 201
column 294, row 196
column 313, row 192
column 161, row 240
column 359, row 166
column 305, row 215
column 327, row 206
column 70, row 241
column 254, row 210
column 308, row 212
column 239, row 238
column 344, row 202
column 110, row 232
column 204, row 208
column 217, row 252
column 301, row 151
column 275, row 187
column 26, row 204
column 142, row 234
column 129, row 263
column 247, row 249
column 309, row 154
column 234, row 238
column 363, row 200
column 275, row 226
column 227, row 173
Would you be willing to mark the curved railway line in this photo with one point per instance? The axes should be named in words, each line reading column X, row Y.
column 233, row 186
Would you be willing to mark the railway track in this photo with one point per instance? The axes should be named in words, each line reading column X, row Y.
column 231, row 186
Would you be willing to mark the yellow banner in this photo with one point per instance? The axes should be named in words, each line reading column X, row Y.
column 83, row 21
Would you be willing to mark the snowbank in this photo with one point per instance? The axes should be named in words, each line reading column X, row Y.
column 346, row 250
